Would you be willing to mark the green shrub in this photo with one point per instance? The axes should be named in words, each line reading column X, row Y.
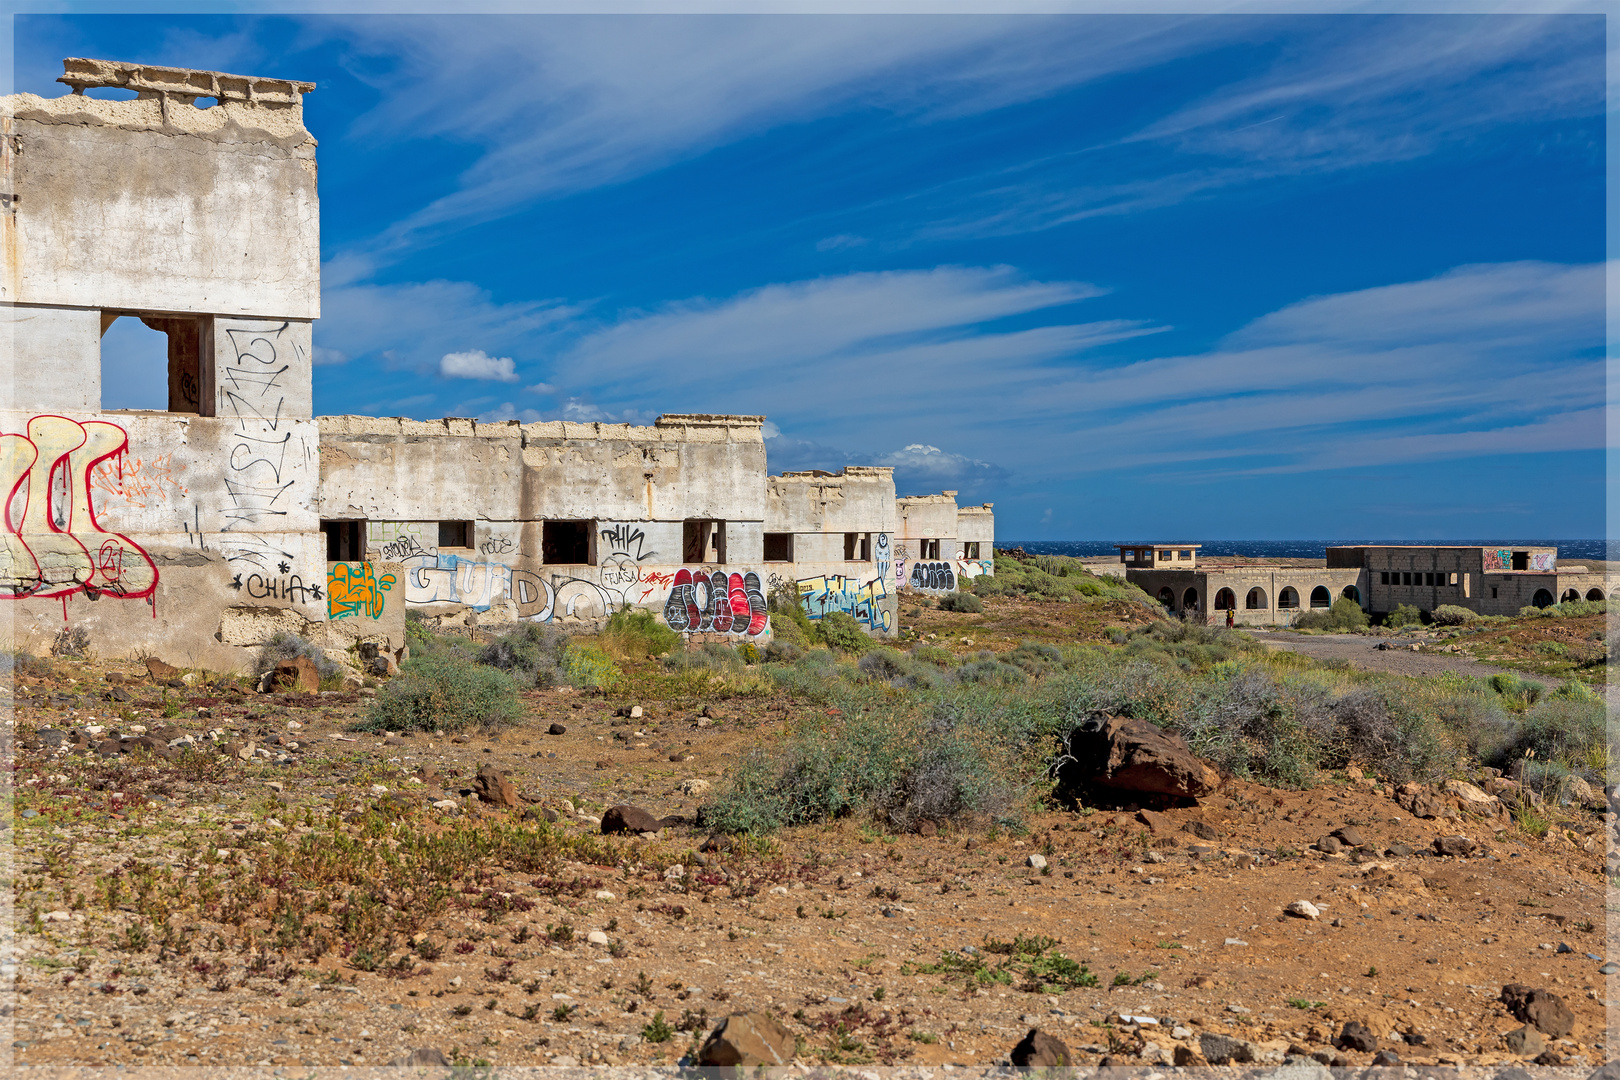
column 934, row 654
column 637, row 631
column 1569, row 609
column 1054, row 577
column 961, row 601
column 1452, row 615
column 840, row 630
column 1404, row 615
column 1568, row 732
column 1519, row 691
column 1344, row 615
column 287, row 646
column 444, row 691
column 1189, row 645
column 532, row 654
column 1379, row 726
column 588, row 666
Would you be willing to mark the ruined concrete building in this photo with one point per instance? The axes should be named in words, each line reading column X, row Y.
column 1380, row 578
column 201, row 530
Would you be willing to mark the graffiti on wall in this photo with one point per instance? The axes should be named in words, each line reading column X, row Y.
column 718, row 603
column 625, row 541
column 835, row 592
column 141, row 483
column 264, row 460
column 1498, row 559
column 932, row 577
column 53, row 546
column 287, row 588
column 355, row 589
column 1543, row 561
column 968, row 569
column 884, row 555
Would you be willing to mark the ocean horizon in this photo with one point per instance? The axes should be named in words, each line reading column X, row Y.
column 1305, row 549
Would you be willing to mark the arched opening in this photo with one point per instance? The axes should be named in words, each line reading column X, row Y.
column 1615, row 595
column 1350, row 592
column 1543, row 598
column 1189, row 600
column 1594, row 594
column 1256, row 600
column 1288, row 598
column 1570, row 594
column 1167, row 598
column 1320, row 597
column 1225, row 600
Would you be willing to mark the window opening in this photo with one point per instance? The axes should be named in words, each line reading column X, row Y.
column 1225, row 600
column 1521, row 560
column 566, row 542
column 1189, row 600
column 455, row 534
column 155, row 363
column 1351, row 593
column 1320, row 597
column 1256, row 600
column 970, row 551
column 345, row 540
column 858, row 547
column 703, row 540
column 1288, row 598
column 778, row 547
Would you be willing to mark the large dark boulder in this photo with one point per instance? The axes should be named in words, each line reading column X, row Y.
column 1128, row 756
column 1038, row 1050
column 632, row 819
column 1541, row 1009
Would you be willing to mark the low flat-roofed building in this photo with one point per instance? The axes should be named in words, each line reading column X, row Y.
column 1491, row 580
column 1271, row 593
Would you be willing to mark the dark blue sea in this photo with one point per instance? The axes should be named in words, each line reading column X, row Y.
column 1312, row 549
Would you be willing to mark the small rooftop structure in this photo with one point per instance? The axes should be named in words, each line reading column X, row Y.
column 1159, row 556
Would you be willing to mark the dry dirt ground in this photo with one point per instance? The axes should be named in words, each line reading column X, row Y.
column 870, row 947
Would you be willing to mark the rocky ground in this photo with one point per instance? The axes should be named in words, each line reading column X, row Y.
column 317, row 896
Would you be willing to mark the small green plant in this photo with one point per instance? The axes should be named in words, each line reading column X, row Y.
column 1372, row 972
column 588, row 666
column 644, row 985
column 447, row 691
column 1305, row 1003
column 658, row 1031
column 927, row 1038
column 562, row 933
column 1403, row 615
column 562, row 1013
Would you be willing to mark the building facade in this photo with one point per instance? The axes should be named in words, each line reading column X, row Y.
column 1489, row 580
column 201, row 530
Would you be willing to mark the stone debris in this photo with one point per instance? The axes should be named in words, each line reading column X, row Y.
column 1124, row 754
column 1039, row 1050
column 751, row 1038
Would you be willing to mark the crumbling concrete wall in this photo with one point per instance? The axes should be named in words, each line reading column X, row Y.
column 632, row 491
column 148, row 528
column 842, row 529
column 975, row 541
column 926, row 546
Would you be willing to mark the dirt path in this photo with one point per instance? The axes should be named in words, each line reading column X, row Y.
column 1364, row 653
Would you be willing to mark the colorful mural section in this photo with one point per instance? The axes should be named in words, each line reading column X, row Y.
column 53, row 546
column 703, row 602
column 354, row 590
column 1544, row 561
column 1498, row 559
column 835, row 592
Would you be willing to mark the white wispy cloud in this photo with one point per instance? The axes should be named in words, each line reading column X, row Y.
column 587, row 101
column 477, row 364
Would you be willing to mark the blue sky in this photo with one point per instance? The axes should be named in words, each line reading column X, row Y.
column 1125, row 276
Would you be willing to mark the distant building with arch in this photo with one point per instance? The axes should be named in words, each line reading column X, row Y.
column 1490, row 580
